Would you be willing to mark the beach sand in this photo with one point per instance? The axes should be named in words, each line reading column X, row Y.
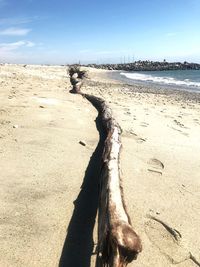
column 49, row 181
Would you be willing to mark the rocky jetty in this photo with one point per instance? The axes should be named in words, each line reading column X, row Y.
column 148, row 66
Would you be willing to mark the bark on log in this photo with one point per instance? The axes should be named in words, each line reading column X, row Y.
column 118, row 244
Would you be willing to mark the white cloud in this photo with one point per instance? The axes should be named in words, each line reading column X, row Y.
column 17, row 20
column 15, row 31
column 6, row 47
column 10, row 46
column 16, row 52
column 30, row 44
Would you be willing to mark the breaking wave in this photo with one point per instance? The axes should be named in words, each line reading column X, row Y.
column 160, row 80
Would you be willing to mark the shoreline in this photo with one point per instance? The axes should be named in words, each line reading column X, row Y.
column 116, row 75
column 114, row 79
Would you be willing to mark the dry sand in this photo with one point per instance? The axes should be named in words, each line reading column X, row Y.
column 43, row 167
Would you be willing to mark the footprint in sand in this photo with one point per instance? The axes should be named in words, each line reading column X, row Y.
column 2, row 136
column 13, row 92
column 155, row 166
column 169, row 116
column 167, row 239
column 138, row 139
column 133, row 135
column 4, row 122
column 11, row 96
column 134, row 118
column 180, row 124
column 196, row 121
column 144, row 124
column 127, row 111
column 178, row 130
column 3, row 112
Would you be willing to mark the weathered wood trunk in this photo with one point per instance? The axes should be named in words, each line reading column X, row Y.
column 118, row 244
column 76, row 79
column 76, row 84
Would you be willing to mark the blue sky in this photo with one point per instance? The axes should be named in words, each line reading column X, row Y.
column 59, row 32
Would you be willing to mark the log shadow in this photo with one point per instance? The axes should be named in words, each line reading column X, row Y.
column 79, row 244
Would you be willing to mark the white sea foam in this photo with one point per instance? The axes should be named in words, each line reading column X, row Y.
column 161, row 80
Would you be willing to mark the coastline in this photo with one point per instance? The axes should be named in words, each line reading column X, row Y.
column 44, row 166
column 116, row 75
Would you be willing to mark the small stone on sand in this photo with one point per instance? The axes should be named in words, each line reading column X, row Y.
column 82, row 143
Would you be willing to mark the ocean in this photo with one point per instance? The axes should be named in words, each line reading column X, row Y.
column 180, row 79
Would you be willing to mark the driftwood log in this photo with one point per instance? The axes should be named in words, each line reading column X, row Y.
column 76, row 79
column 118, row 244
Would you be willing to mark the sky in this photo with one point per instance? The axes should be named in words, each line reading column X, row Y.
column 86, row 31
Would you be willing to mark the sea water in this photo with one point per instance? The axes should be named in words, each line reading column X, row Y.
column 182, row 79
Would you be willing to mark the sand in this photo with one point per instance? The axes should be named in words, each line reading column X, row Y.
column 49, row 181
